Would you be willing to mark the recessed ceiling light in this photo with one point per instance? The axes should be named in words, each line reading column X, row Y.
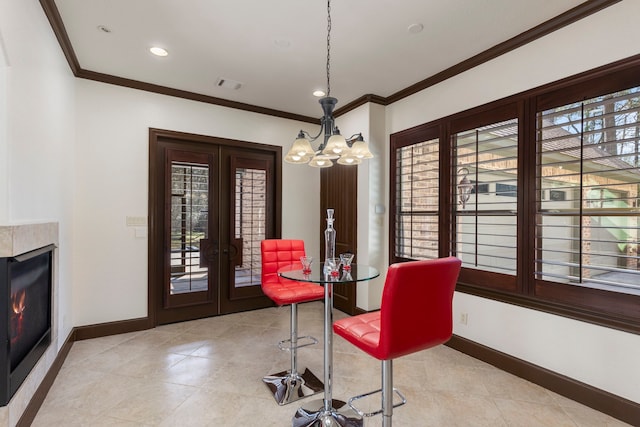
column 318, row 93
column 158, row 51
column 415, row 28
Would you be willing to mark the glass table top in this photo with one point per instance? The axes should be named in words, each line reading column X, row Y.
column 358, row 273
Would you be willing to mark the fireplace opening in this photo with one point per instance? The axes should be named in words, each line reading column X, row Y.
column 25, row 315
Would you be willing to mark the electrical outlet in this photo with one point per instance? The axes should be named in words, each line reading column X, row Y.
column 464, row 318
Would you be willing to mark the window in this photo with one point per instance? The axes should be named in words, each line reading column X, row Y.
column 588, row 152
column 415, row 195
column 537, row 194
column 484, row 222
column 416, row 203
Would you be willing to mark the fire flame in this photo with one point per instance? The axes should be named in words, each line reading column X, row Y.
column 17, row 302
column 18, row 305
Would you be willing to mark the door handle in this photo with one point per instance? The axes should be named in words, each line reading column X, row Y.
column 233, row 251
column 208, row 251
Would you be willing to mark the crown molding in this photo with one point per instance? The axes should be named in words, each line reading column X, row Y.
column 577, row 13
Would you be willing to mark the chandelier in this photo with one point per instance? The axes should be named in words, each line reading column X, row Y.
column 333, row 146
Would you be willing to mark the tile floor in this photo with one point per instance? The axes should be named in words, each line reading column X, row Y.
column 208, row 373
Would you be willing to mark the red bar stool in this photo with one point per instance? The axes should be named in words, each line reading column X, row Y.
column 415, row 314
column 289, row 386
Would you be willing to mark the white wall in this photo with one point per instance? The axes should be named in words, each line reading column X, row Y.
column 4, row 149
column 373, row 233
column 368, row 119
column 36, row 179
column 112, row 183
column 602, row 357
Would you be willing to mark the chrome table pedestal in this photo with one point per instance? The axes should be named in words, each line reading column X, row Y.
column 327, row 412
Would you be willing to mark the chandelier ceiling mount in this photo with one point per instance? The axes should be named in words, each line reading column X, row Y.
column 333, row 146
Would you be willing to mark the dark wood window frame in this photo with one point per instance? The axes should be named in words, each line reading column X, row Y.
column 412, row 138
column 611, row 309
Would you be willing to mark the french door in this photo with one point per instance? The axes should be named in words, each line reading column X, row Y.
column 215, row 200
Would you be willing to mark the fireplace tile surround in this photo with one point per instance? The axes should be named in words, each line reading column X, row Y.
column 17, row 239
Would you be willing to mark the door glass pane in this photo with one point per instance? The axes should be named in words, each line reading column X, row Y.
column 189, row 224
column 250, row 222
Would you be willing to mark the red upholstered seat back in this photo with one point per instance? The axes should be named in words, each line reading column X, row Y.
column 416, row 309
column 278, row 253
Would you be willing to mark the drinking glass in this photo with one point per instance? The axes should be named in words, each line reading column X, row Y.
column 306, row 264
column 346, row 275
column 345, row 260
column 333, row 267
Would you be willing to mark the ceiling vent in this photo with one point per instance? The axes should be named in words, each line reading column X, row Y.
column 228, row 84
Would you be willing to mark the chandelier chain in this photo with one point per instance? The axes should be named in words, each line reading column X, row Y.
column 328, row 47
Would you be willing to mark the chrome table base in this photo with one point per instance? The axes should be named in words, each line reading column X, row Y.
column 328, row 412
column 287, row 388
column 314, row 414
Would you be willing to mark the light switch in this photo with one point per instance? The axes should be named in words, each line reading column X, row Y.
column 136, row 221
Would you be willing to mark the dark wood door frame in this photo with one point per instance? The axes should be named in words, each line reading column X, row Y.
column 339, row 190
column 158, row 138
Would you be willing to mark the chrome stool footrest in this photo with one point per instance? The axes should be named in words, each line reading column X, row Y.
column 287, row 387
column 312, row 341
column 403, row 400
